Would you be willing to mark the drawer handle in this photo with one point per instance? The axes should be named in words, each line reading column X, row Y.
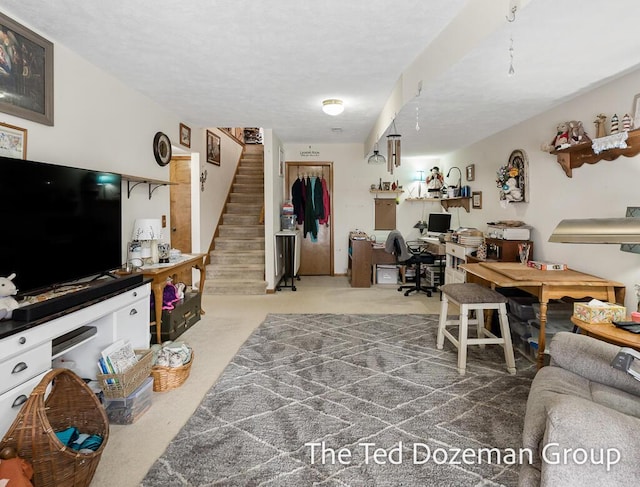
column 20, row 366
column 22, row 340
column 20, row 400
column 135, row 294
column 133, row 312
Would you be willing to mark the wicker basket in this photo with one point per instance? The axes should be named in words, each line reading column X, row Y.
column 122, row 385
column 70, row 402
column 167, row 378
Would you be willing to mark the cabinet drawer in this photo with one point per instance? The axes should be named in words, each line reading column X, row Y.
column 459, row 251
column 11, row 401
column 23, row 367
column 132, row 323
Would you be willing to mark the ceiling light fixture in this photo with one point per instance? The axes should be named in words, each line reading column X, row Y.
column 376, row 157
column 332, row 106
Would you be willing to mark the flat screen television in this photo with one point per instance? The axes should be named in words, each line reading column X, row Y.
column 438, row 223
column 59, row 224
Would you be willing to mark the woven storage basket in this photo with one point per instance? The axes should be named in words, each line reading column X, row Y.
column 70, row 402
column 121, row 385
column 167, row 378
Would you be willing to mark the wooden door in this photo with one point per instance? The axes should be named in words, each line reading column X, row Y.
column 180, row 207
column 316, row 255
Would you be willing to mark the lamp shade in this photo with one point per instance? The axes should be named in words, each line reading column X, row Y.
column 146, row 229
column 332, row 106
column 598, row 231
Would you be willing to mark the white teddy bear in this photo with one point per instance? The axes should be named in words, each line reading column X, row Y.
column 7, row 302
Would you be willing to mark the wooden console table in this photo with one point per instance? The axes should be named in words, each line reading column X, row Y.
column 159, row 274
column 545, row 285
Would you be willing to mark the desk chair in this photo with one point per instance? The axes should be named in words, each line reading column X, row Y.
column 414, row 254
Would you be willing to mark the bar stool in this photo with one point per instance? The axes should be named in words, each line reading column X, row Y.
column 470, row 296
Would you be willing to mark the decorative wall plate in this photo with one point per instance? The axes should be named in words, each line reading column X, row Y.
column 162, row 149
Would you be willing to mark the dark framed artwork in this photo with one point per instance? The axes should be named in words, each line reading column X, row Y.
column 471, row 172
column 26, row 73
column 213, row 148
column 185, row 135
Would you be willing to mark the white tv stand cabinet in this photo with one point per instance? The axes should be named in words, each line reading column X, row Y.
column 26, row 355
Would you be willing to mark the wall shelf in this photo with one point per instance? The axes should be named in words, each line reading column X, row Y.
column 579, row 154
column 136, row 180
column 394, row 192
column 459, row 202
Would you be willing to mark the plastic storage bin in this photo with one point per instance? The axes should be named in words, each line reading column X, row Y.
column 387, row 274
column 127, row 410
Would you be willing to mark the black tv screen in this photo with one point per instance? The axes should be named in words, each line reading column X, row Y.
column 59, row 224
column 438, row 222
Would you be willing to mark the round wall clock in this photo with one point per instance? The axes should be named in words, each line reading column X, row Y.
column 162, row 149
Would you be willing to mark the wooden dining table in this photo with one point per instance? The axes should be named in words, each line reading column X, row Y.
column 545, row 285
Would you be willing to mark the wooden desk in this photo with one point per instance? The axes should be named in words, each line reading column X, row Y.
column 545, row 285
column 609, row 333
column 159, row 274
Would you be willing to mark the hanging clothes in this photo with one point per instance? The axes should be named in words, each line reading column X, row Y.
column 310, row 222
column 318, row 203
column 297, row 200
column 325, row 204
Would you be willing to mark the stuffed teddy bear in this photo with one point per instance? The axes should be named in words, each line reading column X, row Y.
column 577, row 135
column 562, row 136
column 7, row 302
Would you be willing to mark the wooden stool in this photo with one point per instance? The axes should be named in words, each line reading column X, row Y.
column 469, row 297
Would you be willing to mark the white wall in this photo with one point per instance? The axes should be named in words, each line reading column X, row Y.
column 601, row 190
column 101, row 124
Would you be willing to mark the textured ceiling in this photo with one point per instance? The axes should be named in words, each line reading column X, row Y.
column 270, row 63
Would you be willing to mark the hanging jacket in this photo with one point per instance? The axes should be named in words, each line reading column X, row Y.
column 325, row 203
column 318, row 203
column 310, row 223
column 297, row 200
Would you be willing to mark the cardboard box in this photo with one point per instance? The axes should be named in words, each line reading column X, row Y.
column 599, row 314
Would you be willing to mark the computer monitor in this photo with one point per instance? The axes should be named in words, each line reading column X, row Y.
column 438, row 223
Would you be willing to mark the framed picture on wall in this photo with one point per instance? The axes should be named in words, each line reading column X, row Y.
column 471, row 172
column 476, row 200
column 185, row 135
column 281, row 162
column 26, row 61
column 13, row 141
column 213, row 148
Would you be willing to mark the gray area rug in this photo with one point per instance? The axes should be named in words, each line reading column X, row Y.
column 378, row 402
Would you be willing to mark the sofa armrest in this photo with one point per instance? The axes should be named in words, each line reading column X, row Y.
column 610, row 439
column 591, row 359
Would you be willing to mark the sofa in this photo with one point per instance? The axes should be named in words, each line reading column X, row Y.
column 582, row 422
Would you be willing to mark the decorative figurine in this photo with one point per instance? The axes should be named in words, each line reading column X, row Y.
column 601, row 130
column 435, row 181
column 577, row 135
column 614, row 124
column 627, row 122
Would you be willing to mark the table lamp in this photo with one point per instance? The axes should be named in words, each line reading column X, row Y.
column 147, row 232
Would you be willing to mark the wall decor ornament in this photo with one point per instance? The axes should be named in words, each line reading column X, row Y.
column 13, row 141
column 185, row 135
column 26, row 73
column 513, row 178
column 162, row 149
column 213, row 148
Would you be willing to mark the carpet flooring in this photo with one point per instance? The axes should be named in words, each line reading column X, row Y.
column 352, row 400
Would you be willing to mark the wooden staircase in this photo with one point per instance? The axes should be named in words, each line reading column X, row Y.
column 237, row 261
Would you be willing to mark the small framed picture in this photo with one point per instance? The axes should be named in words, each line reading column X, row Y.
column 476, row 199
column 13, row 141
column 213, row 148
column 185, row 135
column 471, row 172
column 636, row 111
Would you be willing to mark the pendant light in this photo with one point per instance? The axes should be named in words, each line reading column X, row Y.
column 393, row 147
column 376, row 157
